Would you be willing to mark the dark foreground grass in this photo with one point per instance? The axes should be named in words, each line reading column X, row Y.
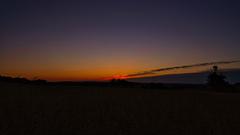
column 82, row 110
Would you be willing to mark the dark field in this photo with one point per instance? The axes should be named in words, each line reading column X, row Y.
column 88, row 110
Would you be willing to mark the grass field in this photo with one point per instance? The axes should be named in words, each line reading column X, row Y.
column 88, row 110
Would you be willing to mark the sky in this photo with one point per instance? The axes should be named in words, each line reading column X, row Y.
column 92, row 39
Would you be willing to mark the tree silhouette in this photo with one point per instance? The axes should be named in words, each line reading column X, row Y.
column 215, row 79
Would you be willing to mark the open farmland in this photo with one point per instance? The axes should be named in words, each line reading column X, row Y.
column 90, row 110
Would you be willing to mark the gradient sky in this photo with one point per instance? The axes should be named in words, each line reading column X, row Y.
column 87, row 40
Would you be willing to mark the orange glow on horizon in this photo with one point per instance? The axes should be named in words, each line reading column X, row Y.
column 121, row 77
column 106, row 72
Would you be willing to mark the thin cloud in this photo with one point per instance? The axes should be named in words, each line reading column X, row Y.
column 150, row 72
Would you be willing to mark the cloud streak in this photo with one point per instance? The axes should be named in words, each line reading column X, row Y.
column 180, row 67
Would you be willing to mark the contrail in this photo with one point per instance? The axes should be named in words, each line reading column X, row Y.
column 180, row 67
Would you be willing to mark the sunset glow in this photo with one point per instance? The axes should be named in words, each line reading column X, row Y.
column 95, row 40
